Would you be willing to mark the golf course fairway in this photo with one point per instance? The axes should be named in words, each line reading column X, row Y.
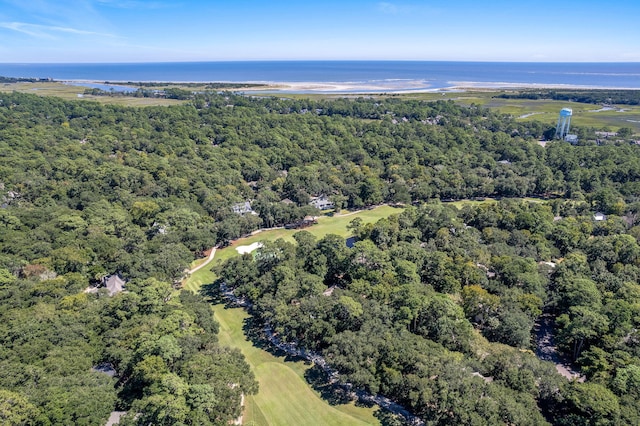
column 285, row 397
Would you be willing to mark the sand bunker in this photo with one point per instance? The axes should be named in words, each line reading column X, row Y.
column 249, row 248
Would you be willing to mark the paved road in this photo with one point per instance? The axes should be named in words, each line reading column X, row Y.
column 546, row 348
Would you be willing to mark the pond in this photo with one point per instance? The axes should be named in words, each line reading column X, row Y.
column 103, row 86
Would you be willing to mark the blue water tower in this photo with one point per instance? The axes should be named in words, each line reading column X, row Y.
column 564, row 121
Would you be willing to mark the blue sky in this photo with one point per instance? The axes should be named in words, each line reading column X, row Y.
column 159, row 30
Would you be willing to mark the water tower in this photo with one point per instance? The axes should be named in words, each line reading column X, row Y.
column 564, row 121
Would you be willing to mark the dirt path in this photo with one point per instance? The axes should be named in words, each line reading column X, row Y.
column 546, row 349
column 238, row 421
column 114, row 418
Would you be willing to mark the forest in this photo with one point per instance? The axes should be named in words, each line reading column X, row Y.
column 435, row 307
column 61, row 349
column 23, row 80
column 167, row 90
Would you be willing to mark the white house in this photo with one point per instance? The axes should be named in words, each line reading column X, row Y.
column 322, row 202
column 243, row 208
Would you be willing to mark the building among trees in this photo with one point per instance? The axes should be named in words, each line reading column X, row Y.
column 243, row 208
column 322, row 202
column 114, row 284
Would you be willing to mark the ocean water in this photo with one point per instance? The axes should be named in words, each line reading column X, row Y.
column 369, row 75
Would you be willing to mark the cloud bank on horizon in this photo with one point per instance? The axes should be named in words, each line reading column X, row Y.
column 200, row 30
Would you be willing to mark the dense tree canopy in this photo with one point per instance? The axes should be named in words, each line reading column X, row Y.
column 439, row 313
column 61, row 349
column 434, row 307
column 103, row 188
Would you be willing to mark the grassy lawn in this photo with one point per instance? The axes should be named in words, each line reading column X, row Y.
column 285, row 397
column 198, row 262
column 326, row 225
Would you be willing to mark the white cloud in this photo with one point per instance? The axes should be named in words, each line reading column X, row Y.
column 47, row 31
column 50, row 19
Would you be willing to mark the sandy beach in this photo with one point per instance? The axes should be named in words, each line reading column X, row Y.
column 398, row 87
column 390, row 86
column 345, row 87
column 347, row 77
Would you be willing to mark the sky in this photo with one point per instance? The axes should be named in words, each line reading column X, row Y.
column 76, row 31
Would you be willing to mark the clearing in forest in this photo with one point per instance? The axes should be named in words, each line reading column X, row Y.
column 326, row 225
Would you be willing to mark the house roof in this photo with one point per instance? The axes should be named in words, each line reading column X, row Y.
column 114, row 284
column 242, row 208
column 322, row 202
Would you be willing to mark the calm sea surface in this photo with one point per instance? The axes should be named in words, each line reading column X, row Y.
column 401, row 75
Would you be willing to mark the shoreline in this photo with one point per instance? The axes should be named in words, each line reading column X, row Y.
column 395, row 86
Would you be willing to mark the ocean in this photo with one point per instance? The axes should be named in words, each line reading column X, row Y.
column 366, row 75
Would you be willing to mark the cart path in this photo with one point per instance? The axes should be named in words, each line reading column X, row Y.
column 202, row 265
column 546, row 349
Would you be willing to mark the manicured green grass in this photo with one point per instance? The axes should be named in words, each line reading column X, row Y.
column 326, row 225
column 201, row 277
column 200, row 261
column 285, row 397
column 338, row 224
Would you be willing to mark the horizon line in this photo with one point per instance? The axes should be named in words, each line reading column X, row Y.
column 312, row 60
